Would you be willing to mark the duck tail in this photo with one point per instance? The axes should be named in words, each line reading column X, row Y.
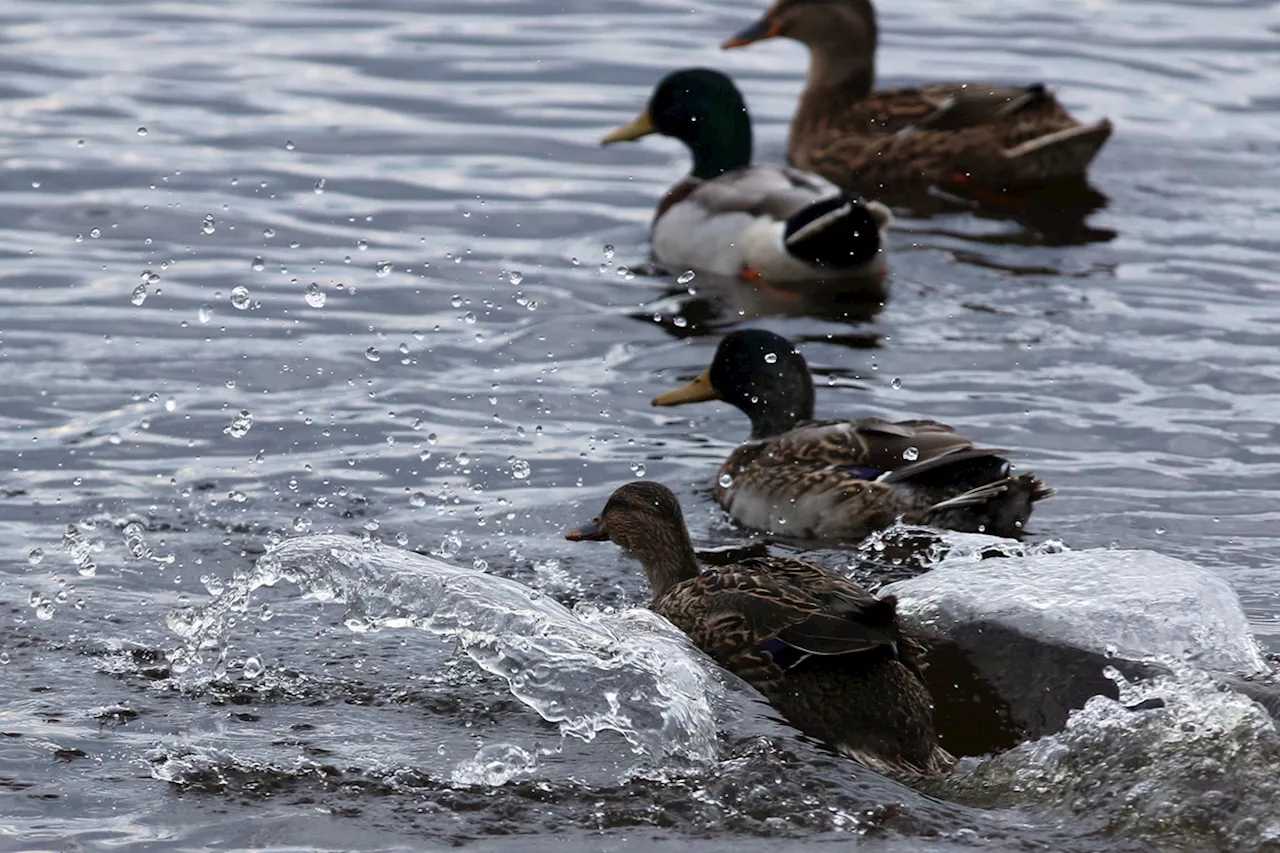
column 1000, row 508
column 842, row 231
column 1059, row 155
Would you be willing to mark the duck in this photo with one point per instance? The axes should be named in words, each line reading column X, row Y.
column 770, row 226
column 827, row 654
column 844, row 479
column 946, row 134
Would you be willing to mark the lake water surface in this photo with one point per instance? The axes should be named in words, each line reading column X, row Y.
column 281, row 267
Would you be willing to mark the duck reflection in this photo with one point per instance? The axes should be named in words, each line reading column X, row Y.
column 710, row 304
column 1048, row 214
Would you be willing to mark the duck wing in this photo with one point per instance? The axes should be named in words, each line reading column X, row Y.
column 950, row 107
column 958, row 106
column 775, row 192
column 874, row 448
column 807, row 607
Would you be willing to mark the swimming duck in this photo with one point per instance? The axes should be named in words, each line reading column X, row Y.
column 770, row 225
column 844, row 479
column 827, row 654
column 945, row 133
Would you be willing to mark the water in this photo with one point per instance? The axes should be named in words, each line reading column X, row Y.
column 385, row 232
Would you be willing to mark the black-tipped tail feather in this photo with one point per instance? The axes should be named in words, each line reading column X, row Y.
column 1000, row 507
column 837, row 232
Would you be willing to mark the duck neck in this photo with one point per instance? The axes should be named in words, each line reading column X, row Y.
column 777, row 419
column 831, row 69
column 777, row 405
column 667, row 561
column 842, row 63
column 720, row 142
column 831, row 90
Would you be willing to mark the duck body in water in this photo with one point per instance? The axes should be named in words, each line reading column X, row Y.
column 899, row 140
column 760, row 223
column 831, row 657
column 843, row 479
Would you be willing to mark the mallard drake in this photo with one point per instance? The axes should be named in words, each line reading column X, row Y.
column 946, row 133
column 827, row 654
column 766, row 224
column 844, row 479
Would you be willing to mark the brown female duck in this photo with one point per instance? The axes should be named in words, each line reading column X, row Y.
column 827, row 654
column 843, row 479
column 897, row 139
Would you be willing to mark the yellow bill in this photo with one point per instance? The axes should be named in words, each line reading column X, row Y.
column 641, row 125
column 695, row 392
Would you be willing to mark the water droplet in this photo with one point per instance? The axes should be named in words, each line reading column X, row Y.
column 372, row 354
column 383, row 269
column 896, row 384
column 252, row 668
column 362, row 245
column 515, row 277
column 771, row 358
column 240, row 425
column 268, row 233
column 4, row 657
column 520, row 470
column 469, row 317
column 608, row 250
column 685, row 277
column 257, row 264
column 725, row 481
column 911, row 454
column 463, row 458
column 208, row 227
column 34, row 556
column 315, row 296
column 142, row 131
column 456, row 301
column 449, row 546
column 319, row 187
column 95, row 233
column 139, row 294
column 417, row 500
column 637, row 468
column 240, row 297
column 205, row 314
column 301, row 525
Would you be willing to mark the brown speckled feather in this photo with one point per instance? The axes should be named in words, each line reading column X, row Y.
column 994, row 135
column 813, row 481
column 948, row 132
column 827, row 654
column 843, row 479
column 864, row 695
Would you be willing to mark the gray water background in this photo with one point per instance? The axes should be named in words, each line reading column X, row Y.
column 407, row 158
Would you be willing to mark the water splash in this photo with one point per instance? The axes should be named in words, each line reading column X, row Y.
column 1137, row 605
column 1175, row 756
column 632, row 673
column 495, row 764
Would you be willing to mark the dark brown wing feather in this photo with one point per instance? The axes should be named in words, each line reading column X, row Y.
column 731, row 611
column 938, row 133
column 906, row 448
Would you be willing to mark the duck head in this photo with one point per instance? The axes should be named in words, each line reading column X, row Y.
column 760, row 373
column 704, row 110
column 644, row 519
column 840, row 34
